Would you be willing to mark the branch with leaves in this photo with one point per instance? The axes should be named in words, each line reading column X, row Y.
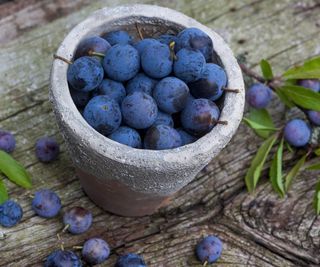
column 291, row 95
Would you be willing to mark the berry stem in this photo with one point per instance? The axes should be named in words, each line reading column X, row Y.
column 231, row 90
column 205, row 263
column 55, row 56
column 220, row 122
column 92, row 53
column 77, row 247
column 139, row 32
column 65, row 228
column 172, row 53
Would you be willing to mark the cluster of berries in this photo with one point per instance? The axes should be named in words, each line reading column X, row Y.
column 156, row 93
column 297, row 132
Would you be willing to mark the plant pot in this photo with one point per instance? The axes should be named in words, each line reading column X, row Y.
column 118, row 178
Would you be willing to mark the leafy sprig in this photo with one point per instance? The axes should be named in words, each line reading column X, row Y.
column 259, row 120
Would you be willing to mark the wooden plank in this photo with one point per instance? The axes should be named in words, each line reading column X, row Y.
column 256, row 231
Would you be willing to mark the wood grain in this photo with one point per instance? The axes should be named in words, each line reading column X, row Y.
column 257, row 230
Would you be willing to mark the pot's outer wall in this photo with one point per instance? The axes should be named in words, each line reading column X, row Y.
column 154, row 173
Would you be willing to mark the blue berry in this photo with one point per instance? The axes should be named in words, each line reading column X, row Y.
column 85, row 74
column 171, row 94
column 312, row 84
column 80, row 98
column 210, row 84
column 112, row 89
column 121, row 62
column 156, row 60
column 259, row 95
column 92, row 44
column 47, row 149
column 139, row 110
column 7, row 141
column 196, row 39
column 127, row 136
column 10, row 213
column 141, row 83
column 185, row 137
column 314, row 117
column 78, row 220
column 163, row 118
column 46, row 203
column 167, row 39
column 209, row 249
column 297, row 133
column 189, row 65
column 130, row 260
column 161, row 137
column 199, row 116
column 95, row 251
column 103, row 114
column 141, row 45
column 118, row 37
column 63, row 258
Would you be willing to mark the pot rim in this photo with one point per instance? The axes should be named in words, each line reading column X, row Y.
column 66, row 111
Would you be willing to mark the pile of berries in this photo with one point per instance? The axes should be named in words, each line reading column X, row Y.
column 297, row 132
column 156, row 93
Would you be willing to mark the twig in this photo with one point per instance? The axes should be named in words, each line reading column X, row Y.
column 139, row 32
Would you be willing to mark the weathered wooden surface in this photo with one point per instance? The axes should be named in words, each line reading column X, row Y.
column 259, row 230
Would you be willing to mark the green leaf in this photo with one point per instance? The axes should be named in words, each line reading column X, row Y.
column 294, row 172
column 3, row 192
column 317, row 152
column 302, row 97
column 257, row 126
column 309, row 70
column 14, row 170
column 285, row 100
column 275, row 172
column 253, row 173
column 266, row 69
column 262, row 117
column 314, row 167
column 316, row 199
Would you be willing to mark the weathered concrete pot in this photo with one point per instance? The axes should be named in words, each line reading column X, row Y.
column 116, row 177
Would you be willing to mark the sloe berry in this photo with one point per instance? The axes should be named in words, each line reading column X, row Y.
column 141, row 83
column 210, row 84
column 141, row 45
column 312, row 84
column 112, row 89
column 10, row 213
column 78, row 220
column 185, row 137
column 7, row 141
column 127, row 136
column 163, row 118
column 171, row 94
column 314, row 117
column 47, row 149
column 85, row 74
column 156, row 60
column 161, row 137
column 189, row 65
column 199, row 116
column 80, row 98
column 92, row 44
column 167, row 39
column 121, row 62
column 139, row 110
column 209, row 249
column 118, row 37
column 46, row 203
column 195, row 39
column 95, row 251
column 63, row 258
column 103, row 114
column 130, row 260
column 259, row 95
column 297, row 133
